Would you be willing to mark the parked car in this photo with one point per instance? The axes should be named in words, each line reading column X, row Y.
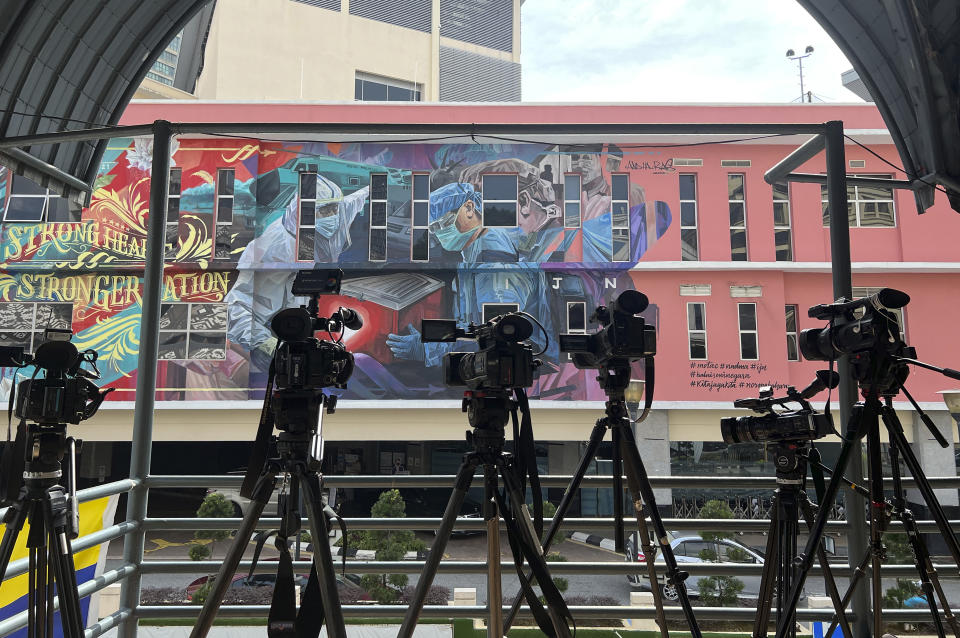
column 687, row 550
column 241, row 504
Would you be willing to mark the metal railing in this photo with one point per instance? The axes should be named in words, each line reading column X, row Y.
column 142, row 566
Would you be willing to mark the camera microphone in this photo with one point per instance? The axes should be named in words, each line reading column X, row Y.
column 351, row 318
column 825, row 379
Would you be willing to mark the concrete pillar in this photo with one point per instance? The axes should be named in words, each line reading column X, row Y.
column 109, row 600
column 465, row 596
column 820, row 602
column 653, row 440
column 935, row 460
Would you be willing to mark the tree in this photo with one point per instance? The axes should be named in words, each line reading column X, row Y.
column 549, row 510
column 899, row 552
column 389, row 545
column 718, row 590
column 214, row 505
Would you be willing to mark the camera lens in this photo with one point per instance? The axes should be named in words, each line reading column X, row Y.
column 292, row 324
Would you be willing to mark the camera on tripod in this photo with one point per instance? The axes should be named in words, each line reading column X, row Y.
column 66, row 392
column 856, row 326
column 624, row 334
column 304, row 363
column 805, row 424
column 502, row 361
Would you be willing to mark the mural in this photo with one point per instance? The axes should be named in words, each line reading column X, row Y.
column 422, row 230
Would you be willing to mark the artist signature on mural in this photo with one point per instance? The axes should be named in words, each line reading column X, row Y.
column 659, row 167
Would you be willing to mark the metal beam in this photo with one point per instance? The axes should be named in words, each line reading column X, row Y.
column 796, row 159
column 142, row 440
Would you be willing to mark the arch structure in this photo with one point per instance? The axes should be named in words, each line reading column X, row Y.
column 908, row 56
column 74, row 64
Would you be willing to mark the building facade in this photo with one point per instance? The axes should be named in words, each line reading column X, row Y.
column 468, row 229
column 343, row 50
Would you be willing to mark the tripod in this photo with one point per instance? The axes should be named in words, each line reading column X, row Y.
column 614, row 378
column 789, row 500
column 880, row 375
column 488, row 412
column 52, row 514
column 321, row 601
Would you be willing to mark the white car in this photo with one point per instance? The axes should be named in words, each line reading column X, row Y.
column 242, row 504
column 687, row 550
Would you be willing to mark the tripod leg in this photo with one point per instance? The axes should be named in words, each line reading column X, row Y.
column 838, row 606
column 13, row 521
column 858, row 418
column 649, row 555
column 858, row 575
column 494, row 580
column 616, row 434
column 322, row 558
column 261, row 494
column 462, row 484
column 877, row 504
column 634, row 465
column 589, row 454
column 769, row 575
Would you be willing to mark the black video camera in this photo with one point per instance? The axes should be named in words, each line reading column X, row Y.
column 856, row 326
column 303, row 361
column 503, row 361
column 624, row 335
column 66, row 392
column 804, row 424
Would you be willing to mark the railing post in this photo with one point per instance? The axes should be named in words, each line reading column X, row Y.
column 843, row 287
column 142, row 439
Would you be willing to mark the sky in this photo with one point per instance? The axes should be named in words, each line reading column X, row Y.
column 675, row 51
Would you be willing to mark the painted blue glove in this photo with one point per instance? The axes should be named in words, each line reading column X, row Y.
column 406, row 346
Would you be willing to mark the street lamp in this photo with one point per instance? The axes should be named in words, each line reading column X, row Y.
column 952, row 399
column 799, row 58
column 633, row 396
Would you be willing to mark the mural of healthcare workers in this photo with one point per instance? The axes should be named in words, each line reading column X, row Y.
column 262, row 289
column 490, row 277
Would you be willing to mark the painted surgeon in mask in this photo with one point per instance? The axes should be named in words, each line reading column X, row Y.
column 491, row 272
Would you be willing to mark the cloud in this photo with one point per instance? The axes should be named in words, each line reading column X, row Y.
column 685, row 50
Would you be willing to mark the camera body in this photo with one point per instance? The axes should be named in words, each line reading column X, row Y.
column 876, row 329
column 798, row 425
column 624, row 334
column 502, row 360
column 313, row 363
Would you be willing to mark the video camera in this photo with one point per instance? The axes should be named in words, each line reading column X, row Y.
column 66, row 393
column 303, row 362
column 877, row 328
column 804, row 424
column 502, row 360
column 624, row 335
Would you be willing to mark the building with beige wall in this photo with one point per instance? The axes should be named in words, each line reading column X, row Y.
column 342, row 50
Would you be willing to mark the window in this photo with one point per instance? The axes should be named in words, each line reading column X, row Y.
column 620, row 221
column 499, row 200
column 172, row 238
column 571, row 200
column 193, row 331
column 223, row 214
column 697, row 329
column 491, row 310
column 859, row 292
column 793, row 352
column 738, row 217
column 781, row 222
column 377, row 250
column 689, row 250
column 420, row 235
column 747, row 316
column 31, row 203
column 376, row 88
column 746, row 291
column 576, row 320
column 867, row 206
column 695, row 290
column 24, row 322
column 306, row 228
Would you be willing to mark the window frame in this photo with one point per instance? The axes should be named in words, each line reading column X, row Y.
column 788, row 227
column 743, row 228
column 692, row 331
column 570, row 201
column 485, row 305
column 741, row 331
column 188, row 331
column 515, row 201
column 386, row 214
column 853, row 192
column 795, row 333
column 616, row 229
column 696, row 218
column 173, row 194
column 413, row 206
column 361, row 77
column 34, row 330
column 859, row 292
column 46, row 196
column 300, row 225
column 217, row 222
column 575, row 331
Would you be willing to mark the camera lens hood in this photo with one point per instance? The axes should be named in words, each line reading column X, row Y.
column 292, row 324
